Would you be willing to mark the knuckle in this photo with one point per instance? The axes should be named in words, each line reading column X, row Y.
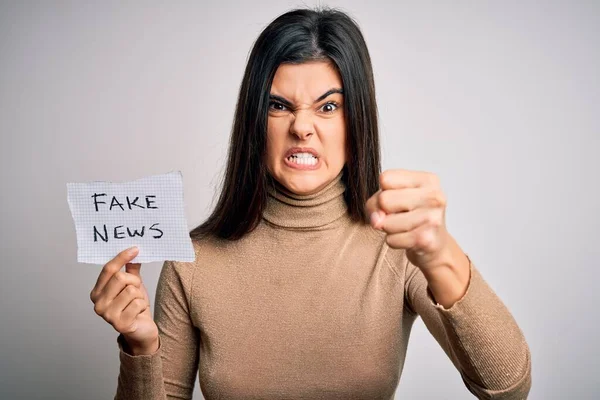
column 389, row 240
column 430, row 219
column 383, row 178
column 120, row 276
column 135, row 281
column 441, row 199
column 373, row 201
column 109, row 268
column 384, row 201
column 433, row 198
column 394, row 241
column 433, row 178
column 109, row 317
column 119, row 327
column 131, row 290
column 105, row 268
column 140, row 303
column 424, row 239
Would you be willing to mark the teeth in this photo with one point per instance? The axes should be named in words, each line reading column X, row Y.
column 303, row 155
column 303, row 159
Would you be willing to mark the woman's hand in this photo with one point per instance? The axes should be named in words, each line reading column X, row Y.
column 411, row 208
column 122, row 300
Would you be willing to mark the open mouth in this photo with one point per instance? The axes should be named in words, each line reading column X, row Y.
column 303, row 159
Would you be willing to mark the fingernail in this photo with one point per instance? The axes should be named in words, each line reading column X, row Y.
column 132, row 250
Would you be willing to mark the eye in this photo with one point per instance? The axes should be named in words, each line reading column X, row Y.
column 276, row 106
column 329, row 107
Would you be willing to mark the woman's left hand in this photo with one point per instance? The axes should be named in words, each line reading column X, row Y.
column 410, row 207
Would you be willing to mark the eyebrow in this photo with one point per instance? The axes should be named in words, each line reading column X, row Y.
column 287, row 103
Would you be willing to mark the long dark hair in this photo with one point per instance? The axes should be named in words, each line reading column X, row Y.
column 297, row 36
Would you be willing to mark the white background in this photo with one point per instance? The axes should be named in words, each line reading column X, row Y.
column 500, row 99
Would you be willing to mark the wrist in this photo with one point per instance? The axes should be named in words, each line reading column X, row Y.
column 142, row 348
column 449, row 279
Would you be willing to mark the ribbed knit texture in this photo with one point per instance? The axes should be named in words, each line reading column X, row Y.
column 311, row 305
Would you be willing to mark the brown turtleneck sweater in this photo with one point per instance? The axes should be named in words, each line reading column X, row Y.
column 312, row 305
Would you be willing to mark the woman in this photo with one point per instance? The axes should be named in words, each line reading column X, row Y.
column 313, row 266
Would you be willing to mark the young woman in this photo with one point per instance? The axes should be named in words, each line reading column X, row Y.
column 314, row 265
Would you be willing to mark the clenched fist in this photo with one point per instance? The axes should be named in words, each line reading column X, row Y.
column 410, row 207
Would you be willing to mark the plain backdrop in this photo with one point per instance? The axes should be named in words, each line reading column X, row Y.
column 500, row 99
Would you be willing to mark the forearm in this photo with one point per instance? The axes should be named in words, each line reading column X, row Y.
column 486, row 343
column 449, row 279
column 140, row 376
column 477, row 331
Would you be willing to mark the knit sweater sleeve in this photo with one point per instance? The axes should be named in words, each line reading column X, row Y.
column 478, row 333
column 170, row 372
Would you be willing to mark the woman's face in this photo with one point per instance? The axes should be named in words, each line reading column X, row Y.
column 306, row 133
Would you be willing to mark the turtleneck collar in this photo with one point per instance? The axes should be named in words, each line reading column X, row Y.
column 289, row 210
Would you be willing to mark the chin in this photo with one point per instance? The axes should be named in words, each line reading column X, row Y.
column 303, row 184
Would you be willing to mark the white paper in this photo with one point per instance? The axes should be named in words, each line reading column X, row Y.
column 147, row 213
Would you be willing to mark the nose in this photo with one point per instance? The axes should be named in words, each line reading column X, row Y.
column 302, row 126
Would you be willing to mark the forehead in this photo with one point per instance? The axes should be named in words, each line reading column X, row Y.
column 307, row 79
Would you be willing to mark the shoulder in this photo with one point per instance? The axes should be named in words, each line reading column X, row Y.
column 205, row 250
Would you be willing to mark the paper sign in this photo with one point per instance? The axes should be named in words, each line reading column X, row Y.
column 147, row 213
